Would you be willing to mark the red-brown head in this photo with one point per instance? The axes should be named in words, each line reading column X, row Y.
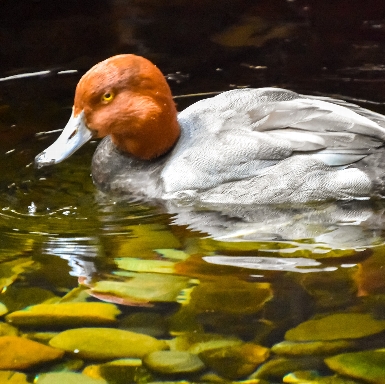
column 127, row 97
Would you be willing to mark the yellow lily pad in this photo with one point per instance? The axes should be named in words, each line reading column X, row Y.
column 106, row 343
column 65, row 314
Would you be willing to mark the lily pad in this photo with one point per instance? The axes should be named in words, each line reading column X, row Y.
column 106, row 343
column 236, row 361
column 17, row 353
column 65, row 314
column 366, row 365
column 173, row 362
column 336, row 326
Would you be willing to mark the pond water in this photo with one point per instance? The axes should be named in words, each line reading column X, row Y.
column 264, row 293
column 98, row 288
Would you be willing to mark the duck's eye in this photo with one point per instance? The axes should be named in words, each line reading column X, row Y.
column 107, row 97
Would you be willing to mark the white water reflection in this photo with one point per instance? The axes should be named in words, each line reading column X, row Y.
column 331, row 225
column 80, row 253
column 297, row 264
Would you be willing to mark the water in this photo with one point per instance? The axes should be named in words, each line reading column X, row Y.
column 224, row 273
column 251, row 274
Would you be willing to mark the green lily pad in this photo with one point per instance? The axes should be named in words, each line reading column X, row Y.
column 236, row 361
column 173, row 362
column 18, row 353
column 336, row 326
column 312, row 347
column 366, row 365
column 67, row 378
column 106, row 343
column 65, row 314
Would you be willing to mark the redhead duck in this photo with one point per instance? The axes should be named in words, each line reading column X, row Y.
column 245, row 146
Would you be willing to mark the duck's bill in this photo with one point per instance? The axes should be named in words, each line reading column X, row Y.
column 74, row 135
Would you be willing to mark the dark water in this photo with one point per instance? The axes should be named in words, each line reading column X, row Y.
column 316, row 260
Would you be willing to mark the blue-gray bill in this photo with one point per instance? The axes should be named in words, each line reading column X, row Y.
column 74, row 135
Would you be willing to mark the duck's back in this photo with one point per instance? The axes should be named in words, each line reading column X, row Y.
column 272, row 145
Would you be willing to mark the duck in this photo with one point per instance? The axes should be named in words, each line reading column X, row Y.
column 245, row 146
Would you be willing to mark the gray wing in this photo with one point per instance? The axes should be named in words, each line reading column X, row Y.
column 241, row 133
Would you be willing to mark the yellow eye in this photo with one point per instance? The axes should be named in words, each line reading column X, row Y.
column 107, row 97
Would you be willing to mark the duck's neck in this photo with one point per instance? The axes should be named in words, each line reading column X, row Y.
column 152, row 133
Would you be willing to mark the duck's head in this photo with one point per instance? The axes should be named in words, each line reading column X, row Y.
column 126, row 97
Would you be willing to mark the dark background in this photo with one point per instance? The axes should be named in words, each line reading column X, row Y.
column 329, row 47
